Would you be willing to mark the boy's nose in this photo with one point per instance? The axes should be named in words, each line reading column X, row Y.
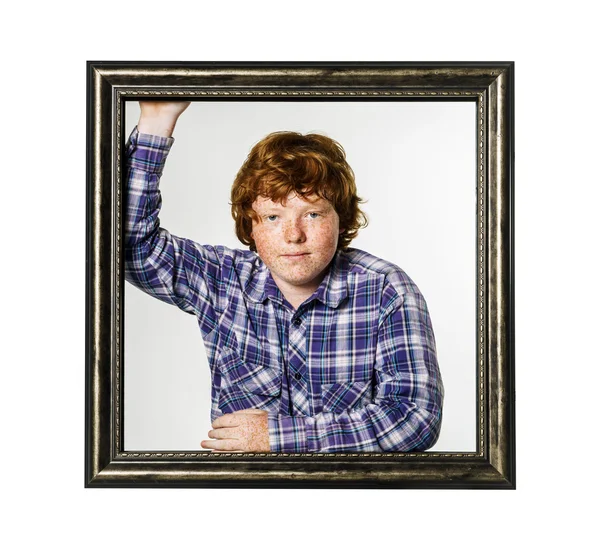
column 294, row 232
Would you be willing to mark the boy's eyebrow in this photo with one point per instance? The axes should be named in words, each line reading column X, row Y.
column 321, row 203
column 317, row 202
column 269, row 207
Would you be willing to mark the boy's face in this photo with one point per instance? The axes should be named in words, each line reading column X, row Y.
column 296, row 241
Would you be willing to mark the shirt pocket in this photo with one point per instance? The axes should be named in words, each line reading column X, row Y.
column 246, row 385
column 340, row 397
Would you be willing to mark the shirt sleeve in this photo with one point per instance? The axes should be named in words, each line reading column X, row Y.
column 405, row 413
column 175, row 270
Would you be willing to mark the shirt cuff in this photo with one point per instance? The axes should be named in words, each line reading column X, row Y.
column 148, row 152
column 288, row 434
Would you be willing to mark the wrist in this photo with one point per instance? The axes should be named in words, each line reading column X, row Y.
column 158, row 124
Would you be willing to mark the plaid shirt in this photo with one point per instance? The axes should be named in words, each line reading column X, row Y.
column 352, row 369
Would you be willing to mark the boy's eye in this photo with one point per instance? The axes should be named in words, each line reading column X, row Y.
column 271, row 218
column 313, row 215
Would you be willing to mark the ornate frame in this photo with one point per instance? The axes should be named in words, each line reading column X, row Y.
column 491, row 85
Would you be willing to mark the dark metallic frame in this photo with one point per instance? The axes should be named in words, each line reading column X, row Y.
column 490, row 85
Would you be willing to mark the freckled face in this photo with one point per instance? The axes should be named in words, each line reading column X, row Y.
column 296, row 241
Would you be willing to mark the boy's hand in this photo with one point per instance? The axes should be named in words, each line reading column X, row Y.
column 242, row 431
column 159, row 117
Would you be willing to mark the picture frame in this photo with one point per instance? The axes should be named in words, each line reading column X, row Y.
column 488, row 86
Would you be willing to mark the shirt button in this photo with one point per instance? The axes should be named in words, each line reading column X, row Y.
column 297, row 322
column 297, row 375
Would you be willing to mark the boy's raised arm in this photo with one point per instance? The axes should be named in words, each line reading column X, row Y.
column 167, row 267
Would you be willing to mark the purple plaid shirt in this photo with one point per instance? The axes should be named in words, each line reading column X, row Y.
column 352, row 369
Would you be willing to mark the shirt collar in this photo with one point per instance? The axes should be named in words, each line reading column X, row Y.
column 332, row 290
column 334, row 287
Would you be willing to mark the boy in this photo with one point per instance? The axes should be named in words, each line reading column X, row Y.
column 313, row 346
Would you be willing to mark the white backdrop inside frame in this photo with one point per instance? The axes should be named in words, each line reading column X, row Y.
column 415, row 164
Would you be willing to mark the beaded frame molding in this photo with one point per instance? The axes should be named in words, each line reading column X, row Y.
column 489, row 85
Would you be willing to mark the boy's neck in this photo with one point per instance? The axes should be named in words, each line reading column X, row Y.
column 297, row 295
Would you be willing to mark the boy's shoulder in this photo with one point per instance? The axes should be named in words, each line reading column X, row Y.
column 364, row 263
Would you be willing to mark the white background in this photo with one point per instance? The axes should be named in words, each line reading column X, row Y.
column 44, row 49
column 415, row 166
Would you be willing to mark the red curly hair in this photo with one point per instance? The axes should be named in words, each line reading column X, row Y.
column 286, row 162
